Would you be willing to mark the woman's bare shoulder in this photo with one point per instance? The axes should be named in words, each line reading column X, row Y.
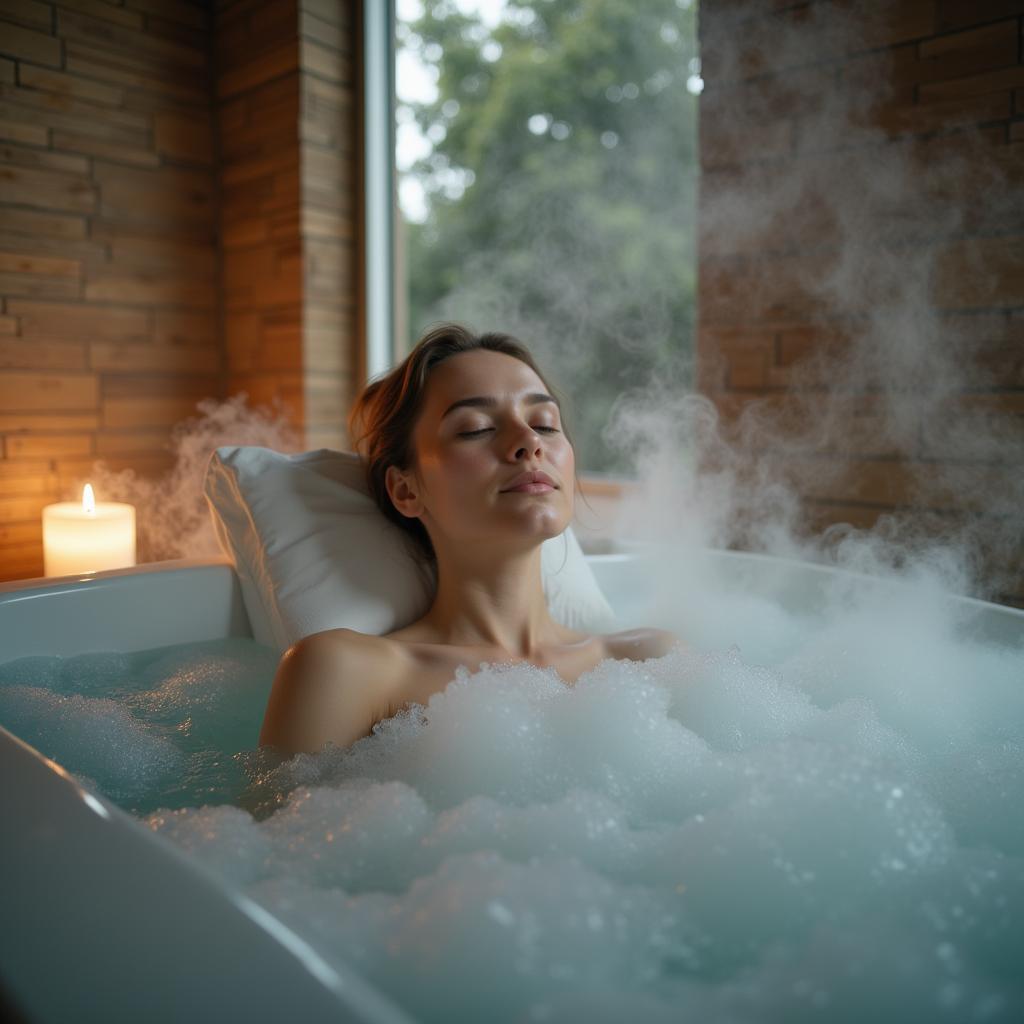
column 332, row 685
column 641, row 643
column 344, row 643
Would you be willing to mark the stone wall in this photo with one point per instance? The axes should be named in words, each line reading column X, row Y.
column 176, row 222
column 861, row 302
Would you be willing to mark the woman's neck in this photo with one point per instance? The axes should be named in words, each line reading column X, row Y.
column 492, row 602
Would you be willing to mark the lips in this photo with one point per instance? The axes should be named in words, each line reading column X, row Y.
column 524, row 480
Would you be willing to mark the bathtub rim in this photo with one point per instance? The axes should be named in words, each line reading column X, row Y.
column 208, row 601
column 630, row 551
column 63, row 828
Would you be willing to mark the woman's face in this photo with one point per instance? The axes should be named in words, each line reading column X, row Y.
column 486, row 420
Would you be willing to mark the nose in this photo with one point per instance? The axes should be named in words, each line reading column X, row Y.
column 526, row 442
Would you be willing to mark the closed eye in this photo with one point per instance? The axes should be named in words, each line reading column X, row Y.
column 484, row 430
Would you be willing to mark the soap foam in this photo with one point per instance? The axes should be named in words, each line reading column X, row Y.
column 694, row 831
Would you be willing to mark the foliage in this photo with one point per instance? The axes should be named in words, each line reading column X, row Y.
column 579, row 239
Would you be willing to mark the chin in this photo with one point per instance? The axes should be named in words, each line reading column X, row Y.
column 546, row 527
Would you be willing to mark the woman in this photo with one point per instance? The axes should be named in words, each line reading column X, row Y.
column 466, row 451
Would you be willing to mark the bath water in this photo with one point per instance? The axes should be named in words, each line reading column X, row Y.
column 822, row 821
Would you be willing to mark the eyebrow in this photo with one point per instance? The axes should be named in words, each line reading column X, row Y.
column 487, row 402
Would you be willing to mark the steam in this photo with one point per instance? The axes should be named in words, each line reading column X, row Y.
column 851, row 260
column 864, row 236
column 854, row 263
column 171, row 514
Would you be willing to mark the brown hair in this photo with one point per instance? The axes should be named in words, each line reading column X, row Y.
column 384, row 413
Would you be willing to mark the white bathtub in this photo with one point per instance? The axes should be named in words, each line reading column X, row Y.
column 83, row 883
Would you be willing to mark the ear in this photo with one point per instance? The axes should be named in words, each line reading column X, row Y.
column 402, row 491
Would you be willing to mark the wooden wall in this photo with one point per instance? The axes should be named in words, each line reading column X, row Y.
column 176, row 222
column 861, row 320
column 285, row 90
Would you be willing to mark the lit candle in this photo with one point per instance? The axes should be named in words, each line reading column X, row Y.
column 87, row 537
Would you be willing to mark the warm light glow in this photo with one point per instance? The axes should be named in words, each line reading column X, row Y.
column 88, row 536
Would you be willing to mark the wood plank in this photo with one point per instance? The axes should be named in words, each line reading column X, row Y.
column 84, row 110
column 251, row 31
column 79, row 322
column 48, row 189
column 189, row 14
column 39, row 286
column 36, row 223
column 181, row 327
column 105, row 11
column 151, row 411
column 322, row 223
column 118, row 152
column 118, row 357
column 954, row 14
column 29, row 245
column 281, row 346
column 104, row 35
column 160, row 196
column 24, row 509
column 979, row 273
column 74, row 472
column 30, row 13
column 131, row 248
column 111, row 442
column 971, row 52
column 324, row 27
column 150, row 288
column 256, row 125
column 325, row 61
column 264, row 389
column 60, row 83
column 21, row 533
column 258, row 167
column 325, row 398
column 184, row 136
column 26, row 44
column 15, row 567
column 941, row 115
column 24, row 470
column 19, row 354
column 188, row 386
column 25, row 156
column 282, row 60
column 95, row 126
column 1003, row 80
column 42, row 392
column 245, row 232
column 71, row 422
column 47, row 445
column 16, row 127
column 332, row 12
column 330, row 171
column 29, row 263
column 135, row 73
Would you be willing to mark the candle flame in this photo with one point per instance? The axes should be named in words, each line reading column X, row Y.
column 88, row 500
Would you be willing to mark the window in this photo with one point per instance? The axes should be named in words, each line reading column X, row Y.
column 546, row 157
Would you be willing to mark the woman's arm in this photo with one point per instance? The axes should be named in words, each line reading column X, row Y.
column 325, row 690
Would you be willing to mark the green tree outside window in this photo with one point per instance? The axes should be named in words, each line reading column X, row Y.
column 560, row 192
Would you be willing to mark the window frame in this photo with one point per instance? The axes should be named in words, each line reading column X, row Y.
column 380, row 184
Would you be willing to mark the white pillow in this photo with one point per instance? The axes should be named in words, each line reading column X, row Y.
column 313, row 551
